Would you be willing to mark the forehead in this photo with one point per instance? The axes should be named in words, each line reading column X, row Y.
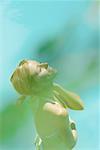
column 33, row 62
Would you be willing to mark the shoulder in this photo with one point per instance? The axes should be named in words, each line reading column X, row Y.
column 55, row 109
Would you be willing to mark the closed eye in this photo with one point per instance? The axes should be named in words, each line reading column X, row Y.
column 43, row 65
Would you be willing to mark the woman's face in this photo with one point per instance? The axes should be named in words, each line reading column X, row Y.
column 31, row 77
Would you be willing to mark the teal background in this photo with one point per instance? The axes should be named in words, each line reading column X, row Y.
column 66, row 35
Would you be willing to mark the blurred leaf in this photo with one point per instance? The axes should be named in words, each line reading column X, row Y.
column 48, row 46
column 48, row 49
column 54, row 47
column 91, row 71
column 11, row 118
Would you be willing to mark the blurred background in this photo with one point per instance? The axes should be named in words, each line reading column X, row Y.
column 66, row 35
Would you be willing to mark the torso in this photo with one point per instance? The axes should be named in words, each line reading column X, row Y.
column 48, row 123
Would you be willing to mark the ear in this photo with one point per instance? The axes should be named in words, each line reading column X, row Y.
column 69, row 99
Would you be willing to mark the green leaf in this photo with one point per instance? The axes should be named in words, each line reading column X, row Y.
column 11, row 118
